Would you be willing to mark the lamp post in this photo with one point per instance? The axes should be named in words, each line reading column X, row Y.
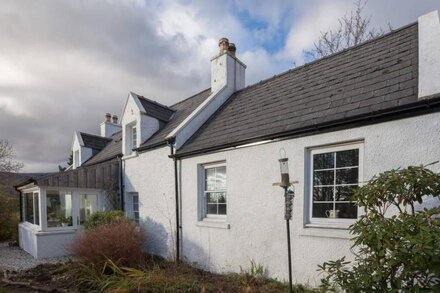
column 288, row 198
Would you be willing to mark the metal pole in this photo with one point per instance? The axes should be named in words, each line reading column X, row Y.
column 289, row 248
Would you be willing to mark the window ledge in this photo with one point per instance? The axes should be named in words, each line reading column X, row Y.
column 130, row 156
column 213, row 224
column 326, row 231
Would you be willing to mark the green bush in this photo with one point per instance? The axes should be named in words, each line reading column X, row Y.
column 104, row 218
column 9, row 216
column 393, row 253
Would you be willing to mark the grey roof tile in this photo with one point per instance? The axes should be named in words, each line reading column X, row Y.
column 155, row 109
column 110, row 151
column 375, row 76
column 94, row 141
column 181, row 110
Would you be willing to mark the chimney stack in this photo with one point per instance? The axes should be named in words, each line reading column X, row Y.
column 226, row 69
column 110, row 125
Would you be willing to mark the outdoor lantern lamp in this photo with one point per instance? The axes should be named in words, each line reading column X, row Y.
column 288, row 200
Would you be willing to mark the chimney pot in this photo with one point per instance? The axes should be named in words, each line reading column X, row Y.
column 232, row 49
column 115, row 119
column 223, row 45
column 108, row 116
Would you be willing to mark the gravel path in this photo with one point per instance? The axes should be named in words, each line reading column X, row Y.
column 16, row 259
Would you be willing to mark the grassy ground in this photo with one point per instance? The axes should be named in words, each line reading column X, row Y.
column 157, row 276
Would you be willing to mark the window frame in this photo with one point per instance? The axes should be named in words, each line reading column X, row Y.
column 330, row 222
column 134, row 211
column 35, row 207
column 133, row 137
column 203, row 198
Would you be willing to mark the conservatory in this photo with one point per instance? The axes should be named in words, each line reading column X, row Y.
column 54, row 208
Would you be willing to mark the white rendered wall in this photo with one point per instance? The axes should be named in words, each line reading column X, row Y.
column 151, row 175
column 146, row 126
column 109, row 128
column 429, row 54
column 255, row 207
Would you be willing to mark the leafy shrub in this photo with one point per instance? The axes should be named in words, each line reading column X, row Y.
column 120, row 242
column 397, row 253
column 104, row 218
column 9, row 216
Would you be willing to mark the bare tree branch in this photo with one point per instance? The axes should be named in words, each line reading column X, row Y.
column 7, row 158
column 354, row 29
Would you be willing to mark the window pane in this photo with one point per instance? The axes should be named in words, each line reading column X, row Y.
column 29, row 208
column 323, row 194
column 212, row 209
column 323, row 177
column 346, row 210
column 135, row 199
column 221, row 178
column 88, row 206
column 344, row 193
column 210, row 179
column 36, row 209
column 321, row 210
column 59, row 209
column 347, row 158
column 222, row 197
column 347, row 176
column 323, row 161
column 222, row 209
column 212, row 197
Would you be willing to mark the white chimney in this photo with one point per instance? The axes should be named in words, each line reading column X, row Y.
column 226, row 69
column 109, row 127
column 429, row 55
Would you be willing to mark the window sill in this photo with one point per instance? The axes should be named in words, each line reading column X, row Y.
column 326, row 231
column 130, row 156
column 209, row 223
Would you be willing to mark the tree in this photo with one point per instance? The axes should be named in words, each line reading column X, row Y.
column 354, row 29
column 69, row 163
column 9, row 206
column 7, row 158
column 392, row 253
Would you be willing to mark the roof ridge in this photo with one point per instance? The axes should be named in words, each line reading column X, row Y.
column 190, row 97
column 328, row 56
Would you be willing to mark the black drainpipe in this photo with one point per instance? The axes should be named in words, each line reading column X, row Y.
column 121, row 180
column 176, row 190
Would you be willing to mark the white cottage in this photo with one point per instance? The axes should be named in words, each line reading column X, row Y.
column 199, row 175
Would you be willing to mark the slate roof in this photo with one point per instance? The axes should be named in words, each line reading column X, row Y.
column 375, row 76
column 94, row 141
column 155, row 109
column 110, row 151
column 181, row 110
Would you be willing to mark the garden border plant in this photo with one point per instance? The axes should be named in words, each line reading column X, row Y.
column 396, row 241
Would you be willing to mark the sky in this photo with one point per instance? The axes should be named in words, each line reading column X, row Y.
column 64, row 64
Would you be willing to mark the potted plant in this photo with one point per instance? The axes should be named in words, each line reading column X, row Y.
column 65, row 221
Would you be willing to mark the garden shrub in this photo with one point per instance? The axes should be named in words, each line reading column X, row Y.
column 9, row 216
column 104, row 218
column 392, row 253
column 121, row 242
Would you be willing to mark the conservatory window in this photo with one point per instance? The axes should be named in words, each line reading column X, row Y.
column 59, row 209
column 88, row 206
column 31, row 208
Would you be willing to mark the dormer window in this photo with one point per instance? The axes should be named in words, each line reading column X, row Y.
column 133, row 137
